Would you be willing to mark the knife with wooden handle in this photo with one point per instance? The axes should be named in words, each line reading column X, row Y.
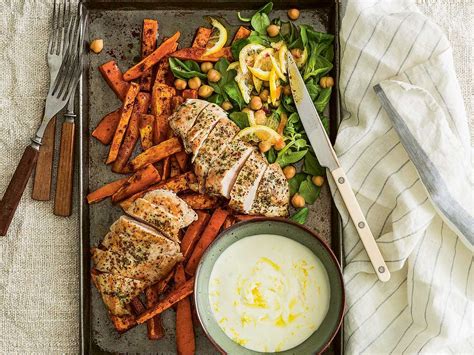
column 327, row 157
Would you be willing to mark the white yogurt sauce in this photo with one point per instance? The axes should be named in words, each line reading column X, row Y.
column 268, row 293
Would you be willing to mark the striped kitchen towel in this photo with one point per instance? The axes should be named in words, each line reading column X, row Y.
column 404, row 142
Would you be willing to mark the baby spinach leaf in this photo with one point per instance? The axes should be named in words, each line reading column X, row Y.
column 290, row 157
column 309, row 191
column 185, row 70
column 260, row 20
column 271, row 155
column 325, row 121
column 323, row 99
column 295, row 182
column 311, row 165
column 232, row 90
column 217, row 99
column 316, row 66
column 301, row 216
column 313, row 89
column 241, row 119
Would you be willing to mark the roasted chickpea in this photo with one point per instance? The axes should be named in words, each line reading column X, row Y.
column 206, row 66
column 289, row 171
column 287, row 90
column 273, row 30
column 293, row 14
column 180, row 84
column 260, row 117
column 264, row 95
column 227, row 105
column 264, row 146
column 194, row 83
column 297, row 201
column 213, row 76
column 318, row 180
column 255, row 103
column 296, row 53
column 205, row 91
column 280, row 144
column 326, row 82
column 97, row 45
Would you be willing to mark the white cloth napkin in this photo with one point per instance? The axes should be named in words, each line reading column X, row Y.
column 406, row 150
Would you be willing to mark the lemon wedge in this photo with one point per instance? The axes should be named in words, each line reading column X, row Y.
column 282, row 58
column 277, row 68
column 260, row 74
column 244, row 82
column 259, row 133
column 221, row 37
column 273, row 86
column 248, row 55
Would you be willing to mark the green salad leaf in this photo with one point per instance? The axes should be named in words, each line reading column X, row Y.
column 323, row 99
column 311, row 165
column 185, row 70
column 301, row 216
column 241, row 119
column 309, row 191
column 295, row 182
column 271, row 155
column 260, row 20
column 243, row 19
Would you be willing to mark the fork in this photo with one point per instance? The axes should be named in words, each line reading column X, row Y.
column 57, row 45
column 59, row 93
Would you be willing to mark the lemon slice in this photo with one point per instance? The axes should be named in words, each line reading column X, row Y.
column 263, row 60
column 273, row 86
column 244, row 82
column 257, row 83
column 233, row 65
column 282, row 58
column 259, row 133
column 277, row 68
column 248, row 54
column 260, row 74
column 221, row 37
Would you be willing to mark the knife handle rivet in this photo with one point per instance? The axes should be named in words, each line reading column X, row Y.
column 381, row 269
column 361, row 224
column 341, row 180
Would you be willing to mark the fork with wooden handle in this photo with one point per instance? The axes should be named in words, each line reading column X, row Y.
column 59, row 93
column 65, row 175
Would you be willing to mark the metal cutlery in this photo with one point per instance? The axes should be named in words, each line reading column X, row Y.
column 327, row 157
column 59, row 94
column 57, row 46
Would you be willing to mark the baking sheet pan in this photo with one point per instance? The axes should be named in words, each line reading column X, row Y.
column 119, row 24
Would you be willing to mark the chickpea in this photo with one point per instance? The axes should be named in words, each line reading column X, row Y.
column 260, row 117
column 264, row 95
column 289, row 171
column 213, row 76
column 280, row 144
column 194, row 83
column 264, row 146
column 296, row 53
column 293, row 14
column 287, row 90
column 180, row 84
column 273, row 30
column 206, row 66
column 318, row 180
column 205, row 91
column 97, row 45
column 326, row 82
column 227, row 105
column 297, row 201
column 255, row 103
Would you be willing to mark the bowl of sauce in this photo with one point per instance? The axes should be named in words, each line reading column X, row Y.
column 269, row 285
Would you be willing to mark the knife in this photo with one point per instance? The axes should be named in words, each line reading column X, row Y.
column 327, row 157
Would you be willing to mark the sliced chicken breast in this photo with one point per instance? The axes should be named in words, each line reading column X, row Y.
column 130, row 228
column 244, row 191
column 224, row 171
column 173, row 204
column 273, row 195
column 156, row 216
column 205, row 122
column 183, row 119
column 136, row 261
column 117, row 291
column 221, row 135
